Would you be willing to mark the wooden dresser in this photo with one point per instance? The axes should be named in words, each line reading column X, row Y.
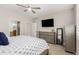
column 47, row 36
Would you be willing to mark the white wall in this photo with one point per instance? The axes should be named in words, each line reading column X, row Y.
column 7, row 16
column 77, row 30
column 61, row 19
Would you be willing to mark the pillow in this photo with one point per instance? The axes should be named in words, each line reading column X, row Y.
column 3, row 39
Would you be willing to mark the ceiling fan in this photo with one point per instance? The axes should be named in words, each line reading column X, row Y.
column 28, row 8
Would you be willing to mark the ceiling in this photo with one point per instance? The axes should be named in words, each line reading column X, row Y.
column 45, row 9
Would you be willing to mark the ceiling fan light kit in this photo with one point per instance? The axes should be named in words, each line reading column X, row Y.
column 29, row 9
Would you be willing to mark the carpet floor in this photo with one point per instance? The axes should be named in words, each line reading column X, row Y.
column 57, row 50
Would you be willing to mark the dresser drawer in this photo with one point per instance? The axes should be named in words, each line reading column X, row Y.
column 46, row 36
column 46, row 33
column 49, row 39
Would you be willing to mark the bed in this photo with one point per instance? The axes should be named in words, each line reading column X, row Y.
column 24, row 45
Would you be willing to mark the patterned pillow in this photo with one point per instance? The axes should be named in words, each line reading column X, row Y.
column 3, row 39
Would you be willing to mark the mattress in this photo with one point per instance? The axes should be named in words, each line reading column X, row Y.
column 24, row 45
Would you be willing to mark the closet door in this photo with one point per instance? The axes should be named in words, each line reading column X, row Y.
column 70, row 39
column 34, row 29
column 26, row 28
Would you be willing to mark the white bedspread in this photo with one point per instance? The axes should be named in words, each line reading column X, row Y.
column 24, row 45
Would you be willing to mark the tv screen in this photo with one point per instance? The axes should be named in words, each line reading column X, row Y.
column 48, row 23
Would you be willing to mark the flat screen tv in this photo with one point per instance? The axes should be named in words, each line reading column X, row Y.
column 48, row 23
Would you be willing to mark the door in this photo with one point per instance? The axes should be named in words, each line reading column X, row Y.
column 70, row 39
column 18, row 27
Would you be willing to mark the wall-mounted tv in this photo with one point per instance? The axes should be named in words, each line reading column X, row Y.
column 48, row 23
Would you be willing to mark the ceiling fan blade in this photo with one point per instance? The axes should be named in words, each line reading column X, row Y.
column 25, row 10
column 35, row 7
column 33, row 11
column 21, row 5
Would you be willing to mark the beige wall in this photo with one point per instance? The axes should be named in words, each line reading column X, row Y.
column 61, row 19
column 6, row 16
